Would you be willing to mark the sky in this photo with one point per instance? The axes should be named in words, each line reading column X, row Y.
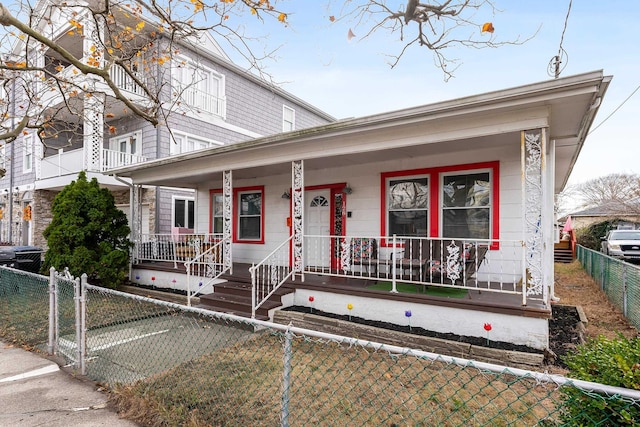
column 353, row 78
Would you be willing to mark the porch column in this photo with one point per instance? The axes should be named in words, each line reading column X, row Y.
column 93, row 104
column 227, row 224
column 136, row 216
column 297, row 220
column 533, row 205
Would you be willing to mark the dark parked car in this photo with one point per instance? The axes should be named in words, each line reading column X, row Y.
column 623, row 244
column 27, row 258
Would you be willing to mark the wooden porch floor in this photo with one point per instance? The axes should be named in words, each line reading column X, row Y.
column 478, row 300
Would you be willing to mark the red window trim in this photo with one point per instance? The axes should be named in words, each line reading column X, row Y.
column 434, row 175
column 236, row 191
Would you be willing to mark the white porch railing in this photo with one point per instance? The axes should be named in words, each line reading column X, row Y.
column 485, row 265
column 206, row 266
column 124, row 81
column 268, row 275
column 113, row 159
column 173, row 248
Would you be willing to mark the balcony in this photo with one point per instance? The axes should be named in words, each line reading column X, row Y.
column 124, row 82
column 72, row 162
column 115, row 159
column 204, row 102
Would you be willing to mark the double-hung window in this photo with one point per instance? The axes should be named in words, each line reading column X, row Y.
column 184, row 143
column 407, row 206
column 466, row 205
column 288, row 119
column 27, row 153
column 459, row 202
column 217, row 212
column 250, row 214
column 183, row 212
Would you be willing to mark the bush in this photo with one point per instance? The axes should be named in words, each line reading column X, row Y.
column 591, row 236
column 88, row 233
column 615, row 362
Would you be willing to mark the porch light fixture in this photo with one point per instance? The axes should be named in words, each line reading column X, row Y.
column 347, row 189
column 286, row 195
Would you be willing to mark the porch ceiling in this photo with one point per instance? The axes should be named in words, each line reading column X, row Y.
column 566, row 107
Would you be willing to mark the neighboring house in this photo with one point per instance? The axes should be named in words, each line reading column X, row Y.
column 456, row 194
column 216, row 103
column 605, row 212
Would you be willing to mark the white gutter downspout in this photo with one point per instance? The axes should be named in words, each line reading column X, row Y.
column 131, row 213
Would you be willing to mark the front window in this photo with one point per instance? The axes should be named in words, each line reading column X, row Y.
column 184, row 143
column 183, row 212
column 27, row 153
column 250, row 214
column 466, row 205
column 288, row 119
column 217, row 213
column 407, row 206
column 459, row 201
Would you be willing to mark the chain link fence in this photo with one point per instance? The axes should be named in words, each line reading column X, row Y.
column 167, row 364
column 618, row 279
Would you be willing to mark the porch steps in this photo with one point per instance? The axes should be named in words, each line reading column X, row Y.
column 234, row 297
column 562, row 255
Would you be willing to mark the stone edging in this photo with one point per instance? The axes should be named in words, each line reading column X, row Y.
column 516, row 359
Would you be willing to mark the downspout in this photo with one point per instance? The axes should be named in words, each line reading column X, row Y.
column 131, row 201
column 551, row 172
column 13, row 143
column 156, row 202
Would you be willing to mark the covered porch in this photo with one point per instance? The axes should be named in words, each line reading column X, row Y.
column 456, row 195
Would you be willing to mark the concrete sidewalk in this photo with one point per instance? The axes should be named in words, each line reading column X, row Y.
column 34, row 391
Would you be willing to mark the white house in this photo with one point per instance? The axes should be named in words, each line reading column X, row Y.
column 456, row 194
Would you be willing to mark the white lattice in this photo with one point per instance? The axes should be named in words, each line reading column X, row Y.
column 227, row 224
column 532, row 155
column 453, row 261
column 297, row 198
column 345, row 254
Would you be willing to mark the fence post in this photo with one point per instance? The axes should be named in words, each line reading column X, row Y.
column 602, row 260
column 53, row 318
column 286, row 378
column 83, row 324
column 76, row 301
column 624, row 289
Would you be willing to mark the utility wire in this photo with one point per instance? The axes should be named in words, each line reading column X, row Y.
column 554, row 65
column 615, row 111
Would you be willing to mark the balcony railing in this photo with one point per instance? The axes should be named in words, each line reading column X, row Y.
column 124, row 81
column 200, row 100
column 63, row 163
column 113, row 159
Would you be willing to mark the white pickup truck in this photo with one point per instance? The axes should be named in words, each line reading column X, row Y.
column 623, row 244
